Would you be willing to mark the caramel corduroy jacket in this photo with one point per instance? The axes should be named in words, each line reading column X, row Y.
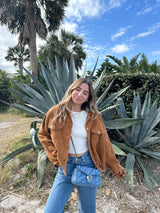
column 56, row 140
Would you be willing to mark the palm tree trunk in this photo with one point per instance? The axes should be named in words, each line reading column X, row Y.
column 32, row 40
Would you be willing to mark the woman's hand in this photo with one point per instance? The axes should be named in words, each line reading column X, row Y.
column 122, row 173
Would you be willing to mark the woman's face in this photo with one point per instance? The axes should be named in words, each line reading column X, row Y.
column 80, row 94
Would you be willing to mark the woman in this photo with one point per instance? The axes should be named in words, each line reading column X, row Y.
column 76, row 115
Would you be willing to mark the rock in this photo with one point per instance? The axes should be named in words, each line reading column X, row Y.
column 22, row 206
column 11, row 201
column 108, row 192
column 110, row 208
column 133, row 199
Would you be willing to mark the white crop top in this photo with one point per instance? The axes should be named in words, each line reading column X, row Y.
column 79, row 134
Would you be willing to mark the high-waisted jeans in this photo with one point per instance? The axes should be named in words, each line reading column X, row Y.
column 62, row 189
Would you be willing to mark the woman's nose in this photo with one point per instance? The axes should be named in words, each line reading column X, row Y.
column 80, row 93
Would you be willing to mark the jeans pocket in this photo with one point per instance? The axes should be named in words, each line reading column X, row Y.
column 87, row 161
column 69, row 168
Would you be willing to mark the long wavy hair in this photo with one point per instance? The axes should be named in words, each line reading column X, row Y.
column 65, row 104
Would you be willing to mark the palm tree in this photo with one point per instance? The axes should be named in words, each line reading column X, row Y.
column 68, row 44
column 146, row 67
column 132, row 66
column 25, row 18
column 18, row 54
column 125, row 66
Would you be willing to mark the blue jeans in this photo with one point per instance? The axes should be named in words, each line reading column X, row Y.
column 62, row 189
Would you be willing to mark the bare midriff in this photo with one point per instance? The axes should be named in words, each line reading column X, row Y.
column 77, row 155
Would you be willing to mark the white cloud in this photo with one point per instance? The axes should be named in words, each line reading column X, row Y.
column 155, row 53
column 119, row 33
column 69, row 26
column 94, row 52
column 120, row 48
column 114, row 3
column 154, row 28
column 145, row 11
column 148, row 9
column 84, row 8
column 6, row 40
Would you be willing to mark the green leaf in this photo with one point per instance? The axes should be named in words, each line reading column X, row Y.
column 24, row 109
column 16, row 152
column 100, row 99
column 41, row 163
column 121, row 123
column 98, row 82
column 94, row 69
column 148, row 174
column 153, row 154
column 117, row 150
column 126, row 148
column 44, row 92
column 108, row 109
column 148, row 141
column 36, row 143
column 49, row 84
column 146, row 105
column 84, row 71
column 109, row 100
column 59, row 69
column 147, row 122
column 121, row 108
column 130, row 168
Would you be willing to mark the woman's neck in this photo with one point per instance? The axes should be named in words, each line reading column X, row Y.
column 76, row 108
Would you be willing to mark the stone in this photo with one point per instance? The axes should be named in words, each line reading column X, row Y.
column 11, row 201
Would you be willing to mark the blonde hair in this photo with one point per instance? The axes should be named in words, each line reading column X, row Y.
column 65, row 104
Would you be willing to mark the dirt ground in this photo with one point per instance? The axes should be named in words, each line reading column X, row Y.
column 113, row 193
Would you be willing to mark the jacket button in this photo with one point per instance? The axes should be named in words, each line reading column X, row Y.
column 98, row 132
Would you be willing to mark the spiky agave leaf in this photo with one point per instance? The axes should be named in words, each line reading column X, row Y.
column 15, row 153
column 117, row 150
column 130, row 161
column 121, row 123
column 148, row 174
column 141, row 135
column 41, row 164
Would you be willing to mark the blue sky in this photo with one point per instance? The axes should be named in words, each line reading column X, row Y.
column 116, row 27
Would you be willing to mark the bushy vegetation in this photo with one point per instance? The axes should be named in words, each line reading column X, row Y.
column 141, row 83
column 4, row 88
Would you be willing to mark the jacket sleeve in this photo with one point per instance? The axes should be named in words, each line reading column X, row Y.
column 46, row 141
column 110, row 160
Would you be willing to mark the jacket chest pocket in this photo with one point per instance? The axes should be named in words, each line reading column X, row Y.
column 97, row 135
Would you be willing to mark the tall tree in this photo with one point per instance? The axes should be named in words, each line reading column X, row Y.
column 18, row 54
column 63, row 46
column 125, row 66
column 25, row 17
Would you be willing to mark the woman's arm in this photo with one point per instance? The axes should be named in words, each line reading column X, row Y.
column 111, row 161
column 46, row 141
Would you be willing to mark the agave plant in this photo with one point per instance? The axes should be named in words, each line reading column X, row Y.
column 38, row 102
column 139, row 139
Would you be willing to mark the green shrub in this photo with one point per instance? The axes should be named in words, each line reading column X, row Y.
column 141, row 83
column 4, row 88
